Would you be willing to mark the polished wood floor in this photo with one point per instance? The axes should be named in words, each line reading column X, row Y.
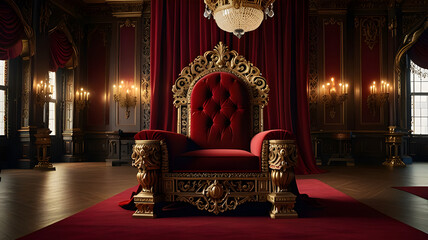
column 32, row 199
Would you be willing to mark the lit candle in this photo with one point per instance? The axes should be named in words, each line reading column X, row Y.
column 87, row 96
column 346, row 89
column 323, row 89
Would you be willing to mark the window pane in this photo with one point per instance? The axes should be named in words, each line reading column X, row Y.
column 2, row 72
column 51, row 124
column 424, row 87
column 419, row 98
column 2, row 112
column 52, row 81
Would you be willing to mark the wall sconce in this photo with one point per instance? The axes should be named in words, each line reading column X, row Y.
column 43, row 92
column 333, row 96
column 145, row 91
column 81, row 100
column 378, row 96
column 126, row 96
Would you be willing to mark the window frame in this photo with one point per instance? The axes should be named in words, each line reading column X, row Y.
column 420, row 73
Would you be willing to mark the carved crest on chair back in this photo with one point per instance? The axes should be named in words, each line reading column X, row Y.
column 220, row 59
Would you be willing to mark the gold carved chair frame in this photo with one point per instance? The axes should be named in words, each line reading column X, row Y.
column 217, row 192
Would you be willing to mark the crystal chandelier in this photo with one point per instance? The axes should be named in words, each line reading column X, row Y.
column 238, row 16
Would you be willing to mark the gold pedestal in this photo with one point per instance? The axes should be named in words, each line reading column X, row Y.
column 282, row 205
column 43, row 141
column 393, row 142
column 145, row 203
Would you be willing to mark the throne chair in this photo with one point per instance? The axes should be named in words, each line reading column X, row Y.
column 220, row 156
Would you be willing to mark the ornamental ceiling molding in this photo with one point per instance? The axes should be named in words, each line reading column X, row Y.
column 122, row 9
column 370, row 28
column 372, row 4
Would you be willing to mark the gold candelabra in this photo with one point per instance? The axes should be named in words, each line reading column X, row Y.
column 333, row 95
column 126, row 96
column 378, row 96
column 81, row 100
column 43, row 92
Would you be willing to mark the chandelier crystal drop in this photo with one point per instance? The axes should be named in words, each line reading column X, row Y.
column 238, row 16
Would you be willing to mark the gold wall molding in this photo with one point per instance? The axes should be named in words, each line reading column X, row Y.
column 332, row 21
column 370, row 28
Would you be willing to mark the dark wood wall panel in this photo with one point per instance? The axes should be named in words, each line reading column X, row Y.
column 97, row 80
column 370, row 59
column 333, row 62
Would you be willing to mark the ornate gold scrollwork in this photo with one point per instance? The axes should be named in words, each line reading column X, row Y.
column 216, row 196
column 146, row 156
column 282, row 154
column 220, row 59
column 282, row 159
column 370, row 27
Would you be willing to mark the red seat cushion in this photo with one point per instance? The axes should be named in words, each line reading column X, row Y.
column 216, row 160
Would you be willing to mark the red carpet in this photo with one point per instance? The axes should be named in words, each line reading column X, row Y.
column 340, row 217
column 418, row 191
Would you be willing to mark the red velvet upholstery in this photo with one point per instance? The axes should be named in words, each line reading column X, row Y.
column 176, row 143
column 220, row 112
column 278, row 134
column 216, row 160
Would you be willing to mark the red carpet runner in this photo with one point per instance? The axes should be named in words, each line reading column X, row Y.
column 341, row 217
column 418, row 191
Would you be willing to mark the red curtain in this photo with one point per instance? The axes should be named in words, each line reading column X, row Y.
column 419, row 52
column 11, row 32
column 60, row 50
column 279, row 48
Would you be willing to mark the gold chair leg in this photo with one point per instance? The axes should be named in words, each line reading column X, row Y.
column 146, row 157
column 282, row 205
column 282, row 159
column 145, row 203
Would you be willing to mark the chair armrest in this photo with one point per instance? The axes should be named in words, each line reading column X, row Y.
column 275, row 134
column 176, row 143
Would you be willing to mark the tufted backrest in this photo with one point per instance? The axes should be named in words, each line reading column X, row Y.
column 220, row 111
column 220, row 98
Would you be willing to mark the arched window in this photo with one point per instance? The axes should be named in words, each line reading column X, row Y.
column 419, row 98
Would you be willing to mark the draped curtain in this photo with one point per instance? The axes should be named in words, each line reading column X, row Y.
column 11, row 32
column 418, row 53
column 60, row 50
column 279, row 48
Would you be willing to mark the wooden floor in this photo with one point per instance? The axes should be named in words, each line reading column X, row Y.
column 32, row 199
